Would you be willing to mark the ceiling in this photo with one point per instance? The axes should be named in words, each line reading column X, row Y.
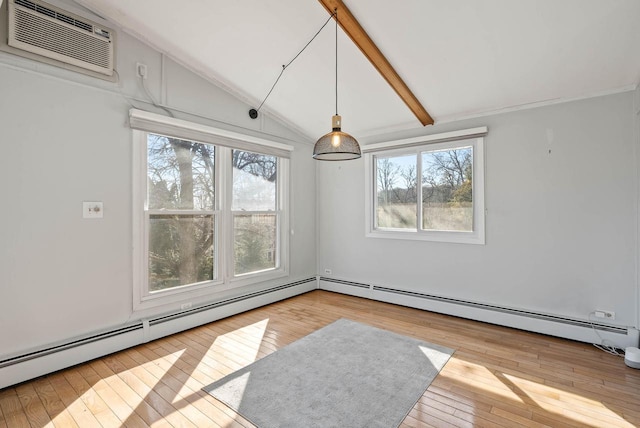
column 460, row 58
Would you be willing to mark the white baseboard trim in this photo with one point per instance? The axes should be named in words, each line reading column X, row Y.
column 23, row 367
column 559, row 326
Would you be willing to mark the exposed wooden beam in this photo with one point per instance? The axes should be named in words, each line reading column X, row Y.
column 354, row 30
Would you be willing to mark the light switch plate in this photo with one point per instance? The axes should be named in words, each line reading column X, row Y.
column 92, row 209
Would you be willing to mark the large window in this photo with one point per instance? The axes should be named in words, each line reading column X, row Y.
column 426, row 190
column 208, row 216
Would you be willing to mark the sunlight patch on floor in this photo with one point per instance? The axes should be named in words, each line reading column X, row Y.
column 243, row 343
column 150, row 374
column 159, row 367
column 498, row 385
column 458, row 371
column 583, row 409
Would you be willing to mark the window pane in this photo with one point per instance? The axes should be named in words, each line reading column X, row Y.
column 447, row 190
column 254, row 242
column 180, row 250
column 254, row 181
column 396, row 192
column 180, row 174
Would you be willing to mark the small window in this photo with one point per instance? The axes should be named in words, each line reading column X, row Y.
column 429, row 191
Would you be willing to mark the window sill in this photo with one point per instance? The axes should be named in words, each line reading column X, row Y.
column 171, row 298
column 177, row 295
column 413, row 235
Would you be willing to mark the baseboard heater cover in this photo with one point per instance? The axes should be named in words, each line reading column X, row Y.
column 529, row 314
column 28, row 365
column 343, row 282
column 69, row 345
column 165, row 318
column 495, row 308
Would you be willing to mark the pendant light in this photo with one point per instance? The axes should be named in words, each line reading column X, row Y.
column 336, row 145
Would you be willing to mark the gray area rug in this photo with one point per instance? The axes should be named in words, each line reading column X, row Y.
column 346, row 374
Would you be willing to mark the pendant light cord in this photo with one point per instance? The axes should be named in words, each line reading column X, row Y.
column 284, row 67
column 335, row 12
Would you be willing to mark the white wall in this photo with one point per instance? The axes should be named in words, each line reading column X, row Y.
column 64, row 139
column 636, row 114
column 561, row 199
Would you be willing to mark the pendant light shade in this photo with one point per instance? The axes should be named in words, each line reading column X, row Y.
column 336, row 145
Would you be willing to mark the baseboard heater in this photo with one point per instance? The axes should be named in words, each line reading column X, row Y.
column 343, row 282
column 69, row 345
column 28, row 365
column 541, row 316
column 224, row 302
column 413, row 299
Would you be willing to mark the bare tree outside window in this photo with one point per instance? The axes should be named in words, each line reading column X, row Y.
column 427, row 190
column 446, row 186
column 180, row 184
column 210, row 217
column 255, row 216
column 447, row 190
column 396, row 192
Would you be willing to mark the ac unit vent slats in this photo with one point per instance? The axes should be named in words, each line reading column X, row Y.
column 55, row 15
column 60, row 36
column 31, row 33
column 31, row 29
column 28, row 4
column 46, row 11
column 82, row 25
column 65, row 18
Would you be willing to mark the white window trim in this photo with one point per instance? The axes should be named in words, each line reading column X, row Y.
column 282, row 213
column 163, row 125
column 463, row 134
column 142, row 300
column 472, row 137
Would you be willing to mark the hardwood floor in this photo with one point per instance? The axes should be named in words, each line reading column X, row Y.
column 497, row 376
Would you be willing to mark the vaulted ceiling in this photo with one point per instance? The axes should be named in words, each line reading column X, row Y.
column 460, row 58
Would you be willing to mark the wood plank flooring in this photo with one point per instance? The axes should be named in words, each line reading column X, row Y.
column 497, row 376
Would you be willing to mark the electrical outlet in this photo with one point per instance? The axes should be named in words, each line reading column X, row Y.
column 141, row 70
column 327, row 271
column 609, row 315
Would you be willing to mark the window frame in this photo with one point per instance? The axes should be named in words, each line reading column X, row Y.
column 143, row 299
column 416, row 146
column 282, row 198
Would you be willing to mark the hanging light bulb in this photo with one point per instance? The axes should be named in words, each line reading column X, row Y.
column 336, row 145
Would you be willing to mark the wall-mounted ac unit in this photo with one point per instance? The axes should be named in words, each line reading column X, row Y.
column 42, row 29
